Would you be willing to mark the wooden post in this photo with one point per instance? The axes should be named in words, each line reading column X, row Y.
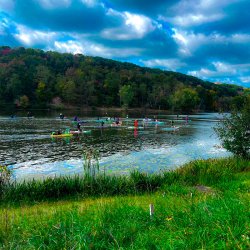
column 151, row 210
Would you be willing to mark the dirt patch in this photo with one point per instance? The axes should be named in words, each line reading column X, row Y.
column 204, row 189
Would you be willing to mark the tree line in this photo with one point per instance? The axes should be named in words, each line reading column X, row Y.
column 35, row 78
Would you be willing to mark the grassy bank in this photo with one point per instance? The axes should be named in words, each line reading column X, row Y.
column 203, row 205
column 205, row 172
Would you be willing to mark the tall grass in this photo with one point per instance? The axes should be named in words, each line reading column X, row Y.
column 94, row 183
column 184, row 217
column 180, row 222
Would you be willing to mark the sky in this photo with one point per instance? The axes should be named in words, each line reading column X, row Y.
column 209, row 39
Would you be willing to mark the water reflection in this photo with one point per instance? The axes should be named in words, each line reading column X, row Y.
column 26, row 146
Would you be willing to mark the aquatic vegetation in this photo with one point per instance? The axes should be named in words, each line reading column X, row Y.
column 91, row 164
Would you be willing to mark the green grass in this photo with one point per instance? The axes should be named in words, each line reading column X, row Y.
column 206, row 172
column 185, row 218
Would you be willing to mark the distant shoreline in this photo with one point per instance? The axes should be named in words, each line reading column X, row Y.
column 104, row 110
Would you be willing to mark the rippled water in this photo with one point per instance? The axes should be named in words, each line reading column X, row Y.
column 26, row 145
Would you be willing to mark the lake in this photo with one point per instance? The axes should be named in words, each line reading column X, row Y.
column 27, row 148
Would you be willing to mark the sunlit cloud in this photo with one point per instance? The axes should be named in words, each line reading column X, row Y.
column 51, row 4
column 134, row 27
column 69, row 47
column 31, row 37
column 90, row 3
column 245, row 79
column 224, row 72
column 87, row 48
column 195, row 19
column 167, row 64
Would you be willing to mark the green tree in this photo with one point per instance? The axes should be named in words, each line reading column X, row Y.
column 238, row 102
column 111, row 87
column 185, row 99
column 234, row 131
column 126, row 95
column 69, row 91
column 41, row 93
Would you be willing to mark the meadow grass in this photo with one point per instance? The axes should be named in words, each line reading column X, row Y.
column 204, row 172
column 185, row 217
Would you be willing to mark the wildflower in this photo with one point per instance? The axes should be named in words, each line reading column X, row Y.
column 168, row 218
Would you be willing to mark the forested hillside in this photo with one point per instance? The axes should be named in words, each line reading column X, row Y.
column 35, row 78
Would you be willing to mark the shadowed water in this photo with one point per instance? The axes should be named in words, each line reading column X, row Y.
column 26, row 145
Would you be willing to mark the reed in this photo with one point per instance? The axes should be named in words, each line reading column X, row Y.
column 97, row 183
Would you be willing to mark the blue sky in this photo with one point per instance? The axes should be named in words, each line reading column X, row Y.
column 209, row 39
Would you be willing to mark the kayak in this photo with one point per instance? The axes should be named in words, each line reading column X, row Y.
column 86, row 131
column 170, row 129
column 116, row 125
column 154, row 122
column 101, row 127
column 133, row 127
column 60, row 136
column 76, row 122
column 77, row 132
column 105, row 121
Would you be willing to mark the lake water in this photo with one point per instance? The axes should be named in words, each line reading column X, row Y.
column 27, row 148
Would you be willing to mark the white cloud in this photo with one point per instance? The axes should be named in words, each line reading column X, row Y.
column 240, row 38
column 6, row 5
column 245, row 79
column 189, row 13
column 195, row 19
column 168, row 64
column 92, row 49
column 114, row 13
column 90, row 3
column 4, row 24
column 51, row 4
column 69, row 47
column 134, row 26
column 31, row 37
column 141, row 24
column 189, row 41
column 222, row 69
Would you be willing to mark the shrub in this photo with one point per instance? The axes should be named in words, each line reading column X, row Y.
column 234, row 131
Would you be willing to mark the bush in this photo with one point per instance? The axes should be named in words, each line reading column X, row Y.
column 234, row 131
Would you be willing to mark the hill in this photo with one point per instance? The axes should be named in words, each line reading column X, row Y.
column 35, row 78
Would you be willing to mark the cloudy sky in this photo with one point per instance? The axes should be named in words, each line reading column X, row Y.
column 209, row 39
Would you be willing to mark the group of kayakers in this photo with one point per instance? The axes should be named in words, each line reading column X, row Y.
column 116, row 121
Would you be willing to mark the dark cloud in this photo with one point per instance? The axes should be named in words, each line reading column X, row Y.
column 231, row 53
column 75, row 18
column 149, row 8
column 157, row 44
column 236, row 19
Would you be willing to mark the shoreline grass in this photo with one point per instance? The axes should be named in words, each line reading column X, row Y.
column 76, row 216
column 199, row 172
column 186, row 217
